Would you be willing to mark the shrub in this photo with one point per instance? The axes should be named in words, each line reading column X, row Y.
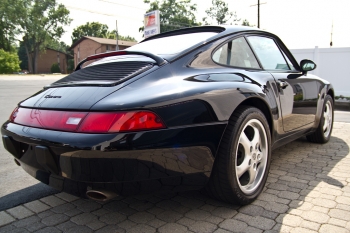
column 9, row 62
column 55, row 68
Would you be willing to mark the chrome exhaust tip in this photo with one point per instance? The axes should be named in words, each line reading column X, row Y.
column 100, row 195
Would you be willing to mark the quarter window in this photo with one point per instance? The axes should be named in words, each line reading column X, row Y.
column 268, row 53
column 236, row 53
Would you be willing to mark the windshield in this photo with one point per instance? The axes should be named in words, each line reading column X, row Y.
column 172, row 44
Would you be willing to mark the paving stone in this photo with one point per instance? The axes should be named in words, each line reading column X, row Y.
column 214, row 219
column 252, row 210
column 197, row 214
column 202, row 226
column 208, row 207
column 37, row 206
column 141, row 217
column 5, row 218
column 169, row 216
column 276, row 207
column 327, row 228
column 49, row 230
column 84, row 218
column 73, row 212
column 20, row 212
column 66, row 197
column 302, row 230
column 35, row 227
column 233, row 225
column 79, row 229
column 45, row 214
column 155, row 210
column 224, row 212
column 27, row 221
column 156, row 223
column 66, row 226
column 187, row 222
column 110, row 228
column 288, row 195
column 141, row 205
column 340, row 214
column 220, row 230
column 54, row 219
column 310, row 225
column 89, row 206
column 141, row 228
column 52, row 201
column 337, row 222
column 126, row 224
column 324, row 203
column 314, row 216
column 63, row 208
column 290, row 220
column 173, row 228
column 343, row 200
column 95, row 225
column 320, row 209
column 112, row 218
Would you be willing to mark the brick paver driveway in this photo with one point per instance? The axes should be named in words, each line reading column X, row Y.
column 308, row 190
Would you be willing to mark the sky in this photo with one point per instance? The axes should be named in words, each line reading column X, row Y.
column 299, row 23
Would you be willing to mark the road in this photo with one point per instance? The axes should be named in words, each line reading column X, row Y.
column 305, row 180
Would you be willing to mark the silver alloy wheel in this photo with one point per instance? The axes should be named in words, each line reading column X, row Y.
column 251, row 156
column 328, row 119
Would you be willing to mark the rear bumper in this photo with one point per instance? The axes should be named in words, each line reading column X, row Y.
column 124, row 163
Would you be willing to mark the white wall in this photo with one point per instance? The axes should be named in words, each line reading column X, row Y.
column 333, row 64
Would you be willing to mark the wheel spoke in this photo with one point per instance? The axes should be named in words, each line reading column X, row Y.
column 243, row 167
column 252, row 175
column 244, row 141
column 256, row 139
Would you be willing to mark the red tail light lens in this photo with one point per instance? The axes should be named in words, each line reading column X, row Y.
column 120, row 122
column 93, row 122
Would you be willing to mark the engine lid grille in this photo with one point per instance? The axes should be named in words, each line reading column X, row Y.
column 111, row 73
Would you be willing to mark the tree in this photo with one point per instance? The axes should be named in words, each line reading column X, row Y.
column 246, row 23
column 174, row 14
column 220, row 13
column 96, row 29
column 9, row 62
column 39, row 20
column 7, row 24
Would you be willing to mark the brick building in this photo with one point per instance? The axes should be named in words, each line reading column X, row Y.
column 88, row 45
column 50, row 56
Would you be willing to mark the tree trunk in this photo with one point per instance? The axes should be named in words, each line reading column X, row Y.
column 30, row 60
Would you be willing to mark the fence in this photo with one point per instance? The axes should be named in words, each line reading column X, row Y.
column 333, row 64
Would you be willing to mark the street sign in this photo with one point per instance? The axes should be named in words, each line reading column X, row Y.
column 152, row 23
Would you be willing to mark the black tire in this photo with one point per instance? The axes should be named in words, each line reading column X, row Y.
column 322, row 135
column 227, row 183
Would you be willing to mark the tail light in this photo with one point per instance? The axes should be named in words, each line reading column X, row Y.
column 87, row 122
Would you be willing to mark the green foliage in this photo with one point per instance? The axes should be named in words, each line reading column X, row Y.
column 23, row 57
column 55, row 68
column 96, row 29
column 7, row 24
column 38, row 21
column 56, row 45
column 174, row 14
column 246, row 23
column 70, row 66
column 9, row 62
column 220, row 13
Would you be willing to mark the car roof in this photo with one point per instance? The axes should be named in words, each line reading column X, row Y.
column 221, row 31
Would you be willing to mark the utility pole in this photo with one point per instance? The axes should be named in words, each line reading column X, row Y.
column 258, row 11
column 116, row 32
column 331, row 44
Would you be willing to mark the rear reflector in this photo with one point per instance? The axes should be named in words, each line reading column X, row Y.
column 93, row 122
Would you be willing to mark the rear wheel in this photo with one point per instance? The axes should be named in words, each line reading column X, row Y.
column 242, row 164
column 325, row 127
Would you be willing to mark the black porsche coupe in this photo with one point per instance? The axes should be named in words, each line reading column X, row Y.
column 186, row 109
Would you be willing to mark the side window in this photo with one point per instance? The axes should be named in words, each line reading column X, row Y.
column 236, row 53
column 268, row 53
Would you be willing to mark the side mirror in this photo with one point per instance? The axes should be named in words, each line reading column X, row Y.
column 307, row 65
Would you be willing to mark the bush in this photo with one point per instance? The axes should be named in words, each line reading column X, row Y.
column 55, row 68
column 9, row 62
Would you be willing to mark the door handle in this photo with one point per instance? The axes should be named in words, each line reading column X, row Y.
column 282, row 84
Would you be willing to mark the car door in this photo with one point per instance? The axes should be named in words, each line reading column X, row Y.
column 297, row 93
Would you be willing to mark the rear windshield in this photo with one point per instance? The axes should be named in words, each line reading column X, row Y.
column 172, row 45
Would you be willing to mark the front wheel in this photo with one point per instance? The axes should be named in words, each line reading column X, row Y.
column 325, row 127
column 242, row 163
